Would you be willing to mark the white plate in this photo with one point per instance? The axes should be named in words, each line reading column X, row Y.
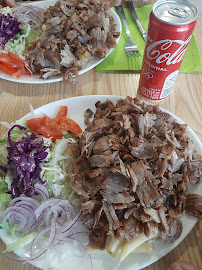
column 91, row 64
column 76, row 108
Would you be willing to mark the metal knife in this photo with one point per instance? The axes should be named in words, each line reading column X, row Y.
column 140, row 26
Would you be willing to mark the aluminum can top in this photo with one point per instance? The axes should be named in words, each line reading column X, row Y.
column 175, row 12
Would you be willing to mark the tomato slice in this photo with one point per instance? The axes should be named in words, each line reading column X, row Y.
column 18, row 73
column 16, row 59
column 12, row 64
column 45, row 126
column 7, row 69
column 52, row 132
column 26, row 72
column 4, row 58
column 34, row 124
column 62, row 112
column 47, row 121
column 67, row 124
column 53, row 127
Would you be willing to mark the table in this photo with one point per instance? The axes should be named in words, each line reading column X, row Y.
column 185, row 101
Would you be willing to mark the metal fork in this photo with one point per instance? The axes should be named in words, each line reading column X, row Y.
column 131, row 7
column 131, row 48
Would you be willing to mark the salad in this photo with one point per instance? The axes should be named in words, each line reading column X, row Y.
column 36, row 199
column 59, row 40
column 15, row 38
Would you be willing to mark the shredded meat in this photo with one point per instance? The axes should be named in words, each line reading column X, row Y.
column 134, row 168
column 131, row 227
column 72, row 31
column 115, row 189
column 97, row 238
column 193, row 205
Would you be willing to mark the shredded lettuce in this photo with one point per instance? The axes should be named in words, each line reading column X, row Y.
column 23, row 40
column 3, row 152
column 67, row 135
column 5, row 198
column 6, row 10
column 9, row 227
column 68, row 193
column 20, row 243
column 55, row 171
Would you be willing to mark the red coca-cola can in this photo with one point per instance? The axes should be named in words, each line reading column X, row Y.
column 171, row 25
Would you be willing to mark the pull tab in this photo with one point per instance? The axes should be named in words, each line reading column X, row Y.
column 181, row 13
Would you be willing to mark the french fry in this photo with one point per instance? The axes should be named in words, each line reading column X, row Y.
column 91, row 250
column 129, row 246
column 144, row 248
column 114, row 245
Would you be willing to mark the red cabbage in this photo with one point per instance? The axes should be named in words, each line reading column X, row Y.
column 24, row 159
column 9, row 29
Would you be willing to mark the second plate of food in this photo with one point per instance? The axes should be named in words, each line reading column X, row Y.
column 87, row 57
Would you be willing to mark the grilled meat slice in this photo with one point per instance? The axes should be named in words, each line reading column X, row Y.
column 193, row 205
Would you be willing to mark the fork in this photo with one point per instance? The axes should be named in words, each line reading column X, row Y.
column 131, row 7
column 131, row 48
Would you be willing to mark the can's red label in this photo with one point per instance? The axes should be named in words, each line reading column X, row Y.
column 164, row 51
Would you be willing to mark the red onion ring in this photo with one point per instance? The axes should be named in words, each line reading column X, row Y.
column 58, row 216
column 42, row 190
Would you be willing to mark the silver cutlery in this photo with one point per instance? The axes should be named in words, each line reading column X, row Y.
column 130, row 5
column 131, row 48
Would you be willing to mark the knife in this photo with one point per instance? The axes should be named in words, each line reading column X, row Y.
column 140, row 26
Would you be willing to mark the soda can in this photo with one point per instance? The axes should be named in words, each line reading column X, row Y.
column 170, row 29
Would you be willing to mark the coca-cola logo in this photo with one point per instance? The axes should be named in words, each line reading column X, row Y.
column 160, row 51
